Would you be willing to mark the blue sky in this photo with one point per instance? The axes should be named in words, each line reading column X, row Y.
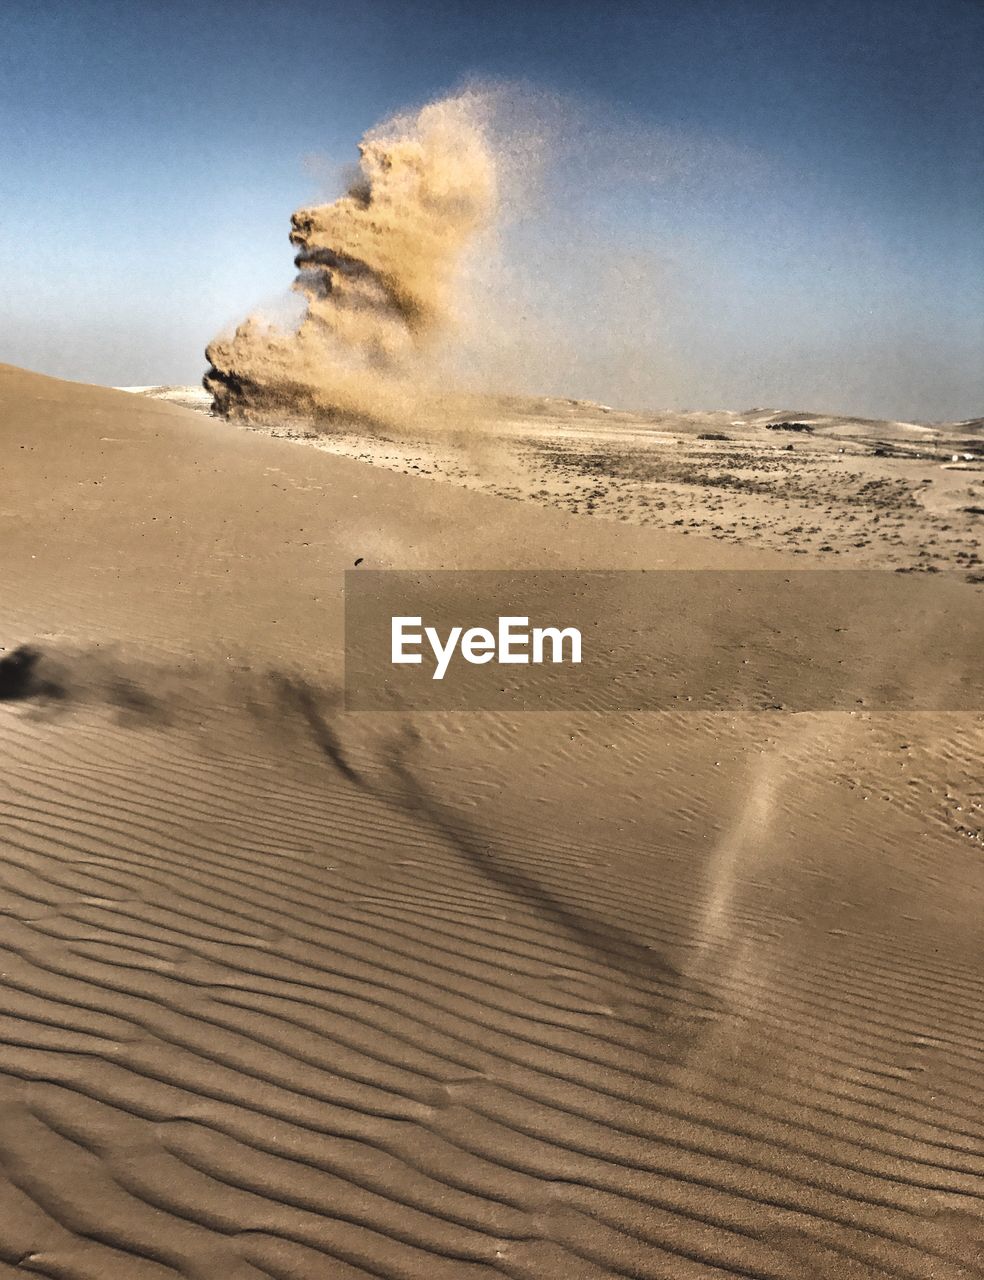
column 812, row 234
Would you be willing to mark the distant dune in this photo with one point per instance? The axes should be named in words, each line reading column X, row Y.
column 291, row 992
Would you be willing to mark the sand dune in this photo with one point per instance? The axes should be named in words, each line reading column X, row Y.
column 288, row 992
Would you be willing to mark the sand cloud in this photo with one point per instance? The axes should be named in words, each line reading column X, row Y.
column 376, row 271
column 500, row 239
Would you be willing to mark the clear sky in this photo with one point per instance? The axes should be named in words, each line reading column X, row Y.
column 782, row 204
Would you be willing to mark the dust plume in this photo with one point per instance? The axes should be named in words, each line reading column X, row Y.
column 504, row 239
column 376, row 272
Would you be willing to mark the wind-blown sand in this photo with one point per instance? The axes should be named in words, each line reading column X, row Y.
column 293, row 993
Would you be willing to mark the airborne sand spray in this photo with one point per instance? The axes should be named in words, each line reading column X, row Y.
column 502, row 239
column 376, row 272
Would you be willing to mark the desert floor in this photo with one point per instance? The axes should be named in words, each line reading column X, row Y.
column 846, row 492
column 289, row 992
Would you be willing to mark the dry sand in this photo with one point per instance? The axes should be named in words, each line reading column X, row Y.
column 293, row 993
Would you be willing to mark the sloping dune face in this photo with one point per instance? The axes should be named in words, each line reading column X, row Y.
column 289, row 992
